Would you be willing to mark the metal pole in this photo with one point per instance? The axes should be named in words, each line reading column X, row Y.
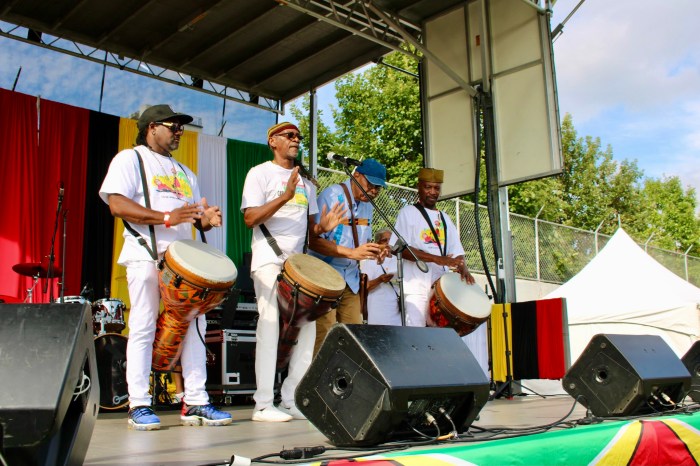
column 685, row 259
column 596, row 236
column 537, row 242
column 313, row 133
column 647, row 241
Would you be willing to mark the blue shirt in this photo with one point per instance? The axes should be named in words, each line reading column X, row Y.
column 342, row 234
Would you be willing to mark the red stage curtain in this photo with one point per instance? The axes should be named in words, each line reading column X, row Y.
column 63, row 138
column 19, row 182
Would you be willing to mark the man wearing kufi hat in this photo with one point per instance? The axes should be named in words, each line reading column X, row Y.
column 433, row 237
column 343, row 248
column 280, row 202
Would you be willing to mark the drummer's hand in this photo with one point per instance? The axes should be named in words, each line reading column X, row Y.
column 463, row 271
column 212, row 214
column 292, row 184
column 384, row 253
column 188, row 213
column 366, row 251
column 331, row 219
column 386, row 277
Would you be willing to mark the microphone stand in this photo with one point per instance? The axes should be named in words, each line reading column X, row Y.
column 63, row 257
column 398, row 248
column 49, row 270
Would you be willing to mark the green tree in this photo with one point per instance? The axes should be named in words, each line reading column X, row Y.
column 379, row 116
column 668, row 212
column 326, row 138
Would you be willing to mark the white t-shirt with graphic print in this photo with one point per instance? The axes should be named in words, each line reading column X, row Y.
column 264, row 183
column 170, row 185
column 411, row 224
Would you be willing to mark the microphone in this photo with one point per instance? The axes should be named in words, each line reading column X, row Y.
column 60, row 192
column 333, row 157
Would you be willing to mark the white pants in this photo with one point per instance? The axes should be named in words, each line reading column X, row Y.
column 416, row 306
column 267, row 335
column 142, row 279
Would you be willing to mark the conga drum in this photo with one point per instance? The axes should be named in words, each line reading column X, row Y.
column 194, row 278
column 307, row 289
column 457, row 304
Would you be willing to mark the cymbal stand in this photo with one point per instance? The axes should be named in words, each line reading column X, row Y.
column 63, row 257
column 30, row 291
column 49, row 274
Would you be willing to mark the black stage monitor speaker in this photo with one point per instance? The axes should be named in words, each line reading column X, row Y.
column 692, row 363
column 622, row 375
column 49, row 388
column 374, row 383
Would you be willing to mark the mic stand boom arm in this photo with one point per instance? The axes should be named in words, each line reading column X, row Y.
column 398, row 248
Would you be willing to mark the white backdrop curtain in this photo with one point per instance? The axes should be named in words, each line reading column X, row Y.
column 211, row 173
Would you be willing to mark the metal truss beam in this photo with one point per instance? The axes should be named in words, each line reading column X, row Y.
column 356, row 17
column 140, row 67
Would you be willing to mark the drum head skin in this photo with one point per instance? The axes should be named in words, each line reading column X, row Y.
column 202, row 260
column 315, row 275
column 469, row 299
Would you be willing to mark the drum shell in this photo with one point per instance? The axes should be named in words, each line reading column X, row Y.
column 443, row 313
column 300, row 301
column 185, row 296
column 109, row 312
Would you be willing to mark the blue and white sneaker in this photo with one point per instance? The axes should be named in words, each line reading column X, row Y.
column 143, row 418
column 206, row 415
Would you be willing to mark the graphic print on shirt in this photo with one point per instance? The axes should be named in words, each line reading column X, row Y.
column 426, row 235
column 300, row 199
column 338, row 235
column 178, row 185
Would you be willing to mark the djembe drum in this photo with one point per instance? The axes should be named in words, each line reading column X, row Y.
column 457, row 304
column 307, row 289
column 194, row 278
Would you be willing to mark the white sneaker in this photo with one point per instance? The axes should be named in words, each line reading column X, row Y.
column 271, row 414
column 293, row 411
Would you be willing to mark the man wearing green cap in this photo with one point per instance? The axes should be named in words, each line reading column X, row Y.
column 172, row 194
column 349, row 242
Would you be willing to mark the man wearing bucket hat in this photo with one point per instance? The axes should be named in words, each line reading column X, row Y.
column 279, row 196
column 343, row 248
column 434, row 239
column 153, row 219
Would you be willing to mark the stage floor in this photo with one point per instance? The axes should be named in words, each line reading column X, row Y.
column 113, row 443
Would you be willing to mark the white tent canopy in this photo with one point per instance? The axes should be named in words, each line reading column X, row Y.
column 624, row 290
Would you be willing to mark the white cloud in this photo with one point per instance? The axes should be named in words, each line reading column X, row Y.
column 629, row 72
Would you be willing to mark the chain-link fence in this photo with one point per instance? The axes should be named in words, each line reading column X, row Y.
column 543, row 251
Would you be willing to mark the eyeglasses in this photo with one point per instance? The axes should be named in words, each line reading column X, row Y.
column 370, row 186
column 291, row 136
column 171, row 125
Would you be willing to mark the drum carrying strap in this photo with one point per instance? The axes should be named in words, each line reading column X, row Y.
column 152, row 251
column 142, row 241
column 362, row 291
column 421, row 209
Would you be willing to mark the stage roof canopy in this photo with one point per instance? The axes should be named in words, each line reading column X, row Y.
column 261, row 52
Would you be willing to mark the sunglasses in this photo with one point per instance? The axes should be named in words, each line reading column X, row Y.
column 171, row 125
column 291, row 136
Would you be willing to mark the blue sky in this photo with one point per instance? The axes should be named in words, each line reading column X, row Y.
column 628, row 71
